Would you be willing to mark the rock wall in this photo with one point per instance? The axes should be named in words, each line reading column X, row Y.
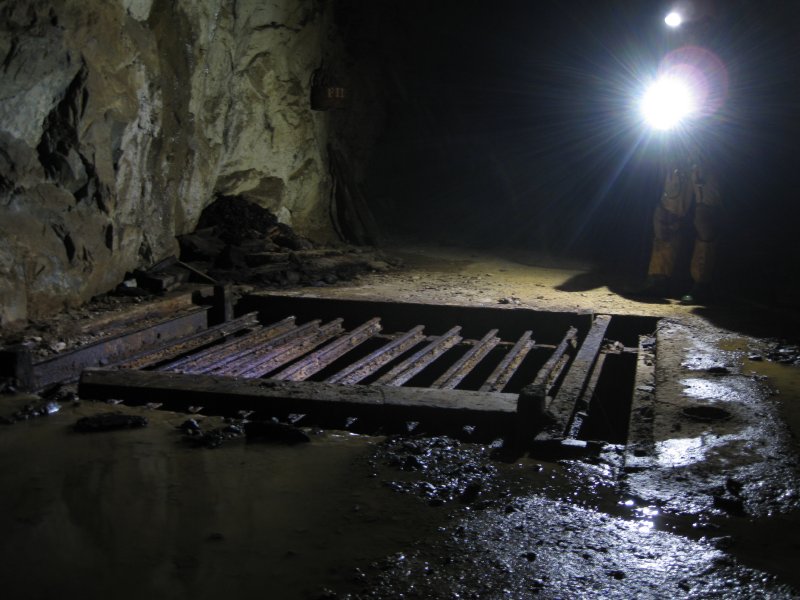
column 120, row 120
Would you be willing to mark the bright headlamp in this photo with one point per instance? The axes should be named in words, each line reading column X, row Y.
column 668, row 102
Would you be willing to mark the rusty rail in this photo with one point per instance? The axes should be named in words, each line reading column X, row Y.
column 419, row 360
column 250, row 357
column 291, row 350
column 509, row 365
column 374, row 361
column 194, row 342
column 226, row 349
column 464, row 365
column 66, row 367
column 315, row 362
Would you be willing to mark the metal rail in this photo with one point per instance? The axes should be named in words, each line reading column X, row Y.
column 419, row 360
column 509, row 365
column 315, row 362
column 464, row 365
column 371, row 363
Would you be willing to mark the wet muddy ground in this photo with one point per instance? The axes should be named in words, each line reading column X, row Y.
column 708, row 509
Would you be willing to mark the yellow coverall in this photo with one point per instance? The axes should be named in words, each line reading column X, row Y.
column 691, row 195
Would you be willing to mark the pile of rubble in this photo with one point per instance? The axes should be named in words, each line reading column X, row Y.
column 237, row 241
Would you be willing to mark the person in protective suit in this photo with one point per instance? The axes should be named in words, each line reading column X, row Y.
column 689, row 210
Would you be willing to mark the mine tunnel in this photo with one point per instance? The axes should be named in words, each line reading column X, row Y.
column 367, row 299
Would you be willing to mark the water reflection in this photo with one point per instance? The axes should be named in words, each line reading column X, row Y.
column 705, row 389
column 680, row 452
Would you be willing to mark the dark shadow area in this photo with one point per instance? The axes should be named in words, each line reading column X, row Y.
column 517, row 127
column 757, row 320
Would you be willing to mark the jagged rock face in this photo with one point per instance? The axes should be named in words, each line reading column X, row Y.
column 120, row 120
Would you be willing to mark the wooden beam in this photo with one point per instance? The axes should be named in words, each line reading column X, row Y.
column 17, row 362
column 420, row 360
column 563, row 404
column 532, row 400
column 428, row 405
column 583, row 404
column 640, row 449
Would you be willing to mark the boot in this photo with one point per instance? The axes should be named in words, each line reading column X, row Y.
column 700, row 293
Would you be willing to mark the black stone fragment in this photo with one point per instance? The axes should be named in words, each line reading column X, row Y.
column 109, row 422
column 190, row 427
column 32, row 411
column 214, row 438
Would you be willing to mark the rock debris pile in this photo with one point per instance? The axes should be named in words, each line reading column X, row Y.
column 237, row 241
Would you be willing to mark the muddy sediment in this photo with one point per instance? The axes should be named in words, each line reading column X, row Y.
column 711, row 510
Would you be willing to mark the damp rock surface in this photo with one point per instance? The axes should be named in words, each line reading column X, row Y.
column 120, row 121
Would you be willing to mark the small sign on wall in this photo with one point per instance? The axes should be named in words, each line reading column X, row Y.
column 326, row 92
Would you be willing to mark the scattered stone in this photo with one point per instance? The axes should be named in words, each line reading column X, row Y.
column 33, row 410
column 214, row 438
column 445, row 470
column 190, row 427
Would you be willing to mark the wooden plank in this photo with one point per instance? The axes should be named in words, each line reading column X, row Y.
column 17, row 362
column 250, row 356
column 371, row 401
column 583, row 404
column 224, row 351
column 549, row 372
column 640, row 450
column 563, row 405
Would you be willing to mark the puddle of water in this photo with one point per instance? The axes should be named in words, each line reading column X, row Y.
column 709, row 390
column 141, row 513
column 681, row 452
column 785, row 379
column 546, row 548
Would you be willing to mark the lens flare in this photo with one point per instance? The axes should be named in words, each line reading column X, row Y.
column 667, row 103
column 673, row 19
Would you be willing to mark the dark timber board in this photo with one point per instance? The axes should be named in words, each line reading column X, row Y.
column 229, row 393
column 547, row 327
